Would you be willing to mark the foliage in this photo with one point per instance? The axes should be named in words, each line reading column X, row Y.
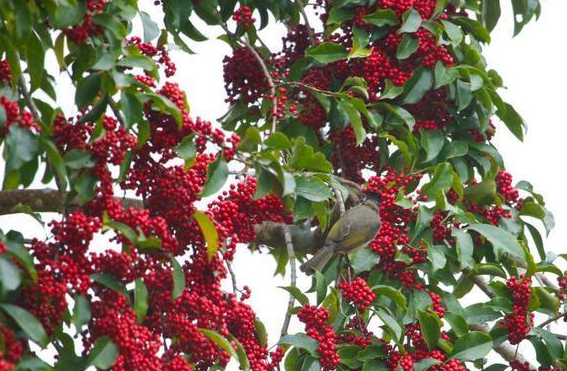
column 387, row 96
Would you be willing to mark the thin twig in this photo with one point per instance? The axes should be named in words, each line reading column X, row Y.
column 306, row 20
column 551, row 320
column 293, row 274
column 232, row 277
column 27, row 97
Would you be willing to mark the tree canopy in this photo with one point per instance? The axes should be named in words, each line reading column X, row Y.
column 389, row 97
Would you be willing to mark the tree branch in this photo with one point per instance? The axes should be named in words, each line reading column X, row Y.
column 293, row 276
column 306, row 20
column 47, row 200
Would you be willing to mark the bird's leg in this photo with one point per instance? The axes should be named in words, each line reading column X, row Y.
column 348, row 267
column 339, row 271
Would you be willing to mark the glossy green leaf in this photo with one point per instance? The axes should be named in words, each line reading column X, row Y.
column 411, row 21
column 81, row 311
column 381, row 17
column 27, row 322
column 327, row 52
column 301, row 341
column 178, row 279
column 104, row 353
column 209, row 233
column 472, row 346
column 430, row 328
column 407, row 47
column 87, row 90
column 500, row 239
column 140, row 300
column 10, row 275
column 217, row 174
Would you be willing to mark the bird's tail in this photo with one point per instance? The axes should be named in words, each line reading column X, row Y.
column 318, row 261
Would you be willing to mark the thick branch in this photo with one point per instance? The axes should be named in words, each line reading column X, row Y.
column 46, row 200
column 293, row 277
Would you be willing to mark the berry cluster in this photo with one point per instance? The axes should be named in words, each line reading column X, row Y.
column 393, row 233
column 5, row 72
column 315, row 320
column 243, row 17
column 79, row 34
column 244, row 79
column 520, row 321
column 516, row 365
column 507, row 190
column 358, row 293
column 14, row 115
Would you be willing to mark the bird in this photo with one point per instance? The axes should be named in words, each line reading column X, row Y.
column 352, row 231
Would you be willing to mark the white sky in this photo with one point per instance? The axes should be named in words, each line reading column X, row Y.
column 533, row 68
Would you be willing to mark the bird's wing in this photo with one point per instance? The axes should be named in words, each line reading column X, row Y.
column 349, row 233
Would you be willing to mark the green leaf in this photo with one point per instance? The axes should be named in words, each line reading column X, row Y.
column 432, row 142
column 187, row 150
column 111, row 282
column 381, row 17
column 297, row 294
column 430, row 328
column 482, row 193
column 27, row 322
column 21, row 146
column 312, row 189
column 407, row 47
column 151, row 29
column 35, row 57
column 500, row 239
column 78, row 159
column 278, row 140
column 327, row 52
column 391, row 324
column 209, row 233
column 411, row 21
column 490, row 13
column 425, row 364
column 217, row 174
column 364, row 260
column 81, row 312
column 220, row 341
column 10, row 275
column 437, row 257
column 472, row 346
column 240, row 354
column 261, row 332
column 444, row 75
column 441, row 181
column 140, row 300
column 178, row 279
column 391, row 293
column 465, row 248
column 513, row 121
column 457, row 323
column 415, row 88
column 131, row 108
column 104, row 353
column 301, row 341
column 549, row 304
column 87, row 90
column 454, row 32
column 354, row 118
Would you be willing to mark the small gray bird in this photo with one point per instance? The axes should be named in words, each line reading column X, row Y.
column 354, row 230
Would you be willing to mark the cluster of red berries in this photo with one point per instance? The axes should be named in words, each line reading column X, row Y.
column 507, row 190
column 80, row 33
column 316, row 327
column 516, row 365
column 358, row 293
column 150, row 50
column 424, row 7
column 14, row 115
column 244, row 78
column 561, row 293
column 351, row 159
column 243, row 17
column 393, row 233
column 520, row 321
column 436, row 304
column 5, row 71
column 11, row 349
